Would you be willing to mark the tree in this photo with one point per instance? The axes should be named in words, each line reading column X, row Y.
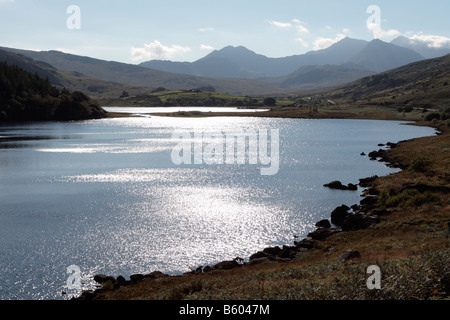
column 270, row 102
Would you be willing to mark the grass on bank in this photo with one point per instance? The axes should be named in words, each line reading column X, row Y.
column 421, row 277
column 179, row 98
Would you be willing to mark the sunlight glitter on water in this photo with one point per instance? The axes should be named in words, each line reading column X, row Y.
column 151, row 110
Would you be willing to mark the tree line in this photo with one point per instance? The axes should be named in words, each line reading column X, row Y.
column 25, row 96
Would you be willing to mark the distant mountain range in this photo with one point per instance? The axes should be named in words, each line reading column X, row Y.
column 346, row 60
column 104, row 75
column 240, row 62
column 234, row 70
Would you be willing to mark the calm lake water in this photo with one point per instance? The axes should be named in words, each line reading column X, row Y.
column 105, row 195
column 148, row 110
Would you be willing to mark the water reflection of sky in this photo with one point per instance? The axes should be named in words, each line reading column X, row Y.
column 155, row 110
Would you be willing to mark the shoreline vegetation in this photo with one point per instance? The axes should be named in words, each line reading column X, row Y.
column 401, row 225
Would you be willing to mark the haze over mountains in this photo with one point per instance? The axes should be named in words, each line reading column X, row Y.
column 426, row 50
column 234, row 70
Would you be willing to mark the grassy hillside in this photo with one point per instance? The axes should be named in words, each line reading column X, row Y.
column 71, row 80
column 195, row 97
column 423, row 84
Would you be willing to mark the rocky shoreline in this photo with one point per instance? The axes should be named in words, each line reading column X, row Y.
column 343, row 219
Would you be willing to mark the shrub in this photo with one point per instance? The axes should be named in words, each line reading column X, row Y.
column 432, row 116
column 407, row 198
column 270, row 102
column 422, row 198
column 408, row 109
column 445, row 114
column 419, row 164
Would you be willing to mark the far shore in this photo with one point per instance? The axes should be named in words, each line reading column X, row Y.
column 345, row 111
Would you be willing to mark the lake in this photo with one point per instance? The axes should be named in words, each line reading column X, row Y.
column 106, row 196
column 149, row 110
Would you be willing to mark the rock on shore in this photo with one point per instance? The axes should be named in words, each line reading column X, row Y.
column 339, row 186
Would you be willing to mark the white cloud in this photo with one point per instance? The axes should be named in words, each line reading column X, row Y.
column 284, row 25
column 298, row 24
column 302, row 42
column 323, row 43
column 432, row 41
column 156, row 50
column 301, row 29
column 65, row 50
column 379, row 33
column 205, row 29
column 383, row 34
column 7, row 1
column 206, row 47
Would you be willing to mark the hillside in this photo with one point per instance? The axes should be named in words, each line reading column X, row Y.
column 320, row 76
column 136, row 76
column 71, row 80
column 419, row 84
column 25, row 96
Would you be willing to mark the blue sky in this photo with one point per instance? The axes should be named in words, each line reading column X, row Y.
column 133, row 31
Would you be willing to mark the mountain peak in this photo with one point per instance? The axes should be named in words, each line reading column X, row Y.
column 380, row 56
column 400, row 38
column 377, row 41
column 234, row 54
column 234, row 50
column 349, row 40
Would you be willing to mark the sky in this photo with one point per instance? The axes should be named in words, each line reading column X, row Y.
column 133, row 31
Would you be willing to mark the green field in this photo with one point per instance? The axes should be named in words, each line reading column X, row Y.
column 170, row 98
